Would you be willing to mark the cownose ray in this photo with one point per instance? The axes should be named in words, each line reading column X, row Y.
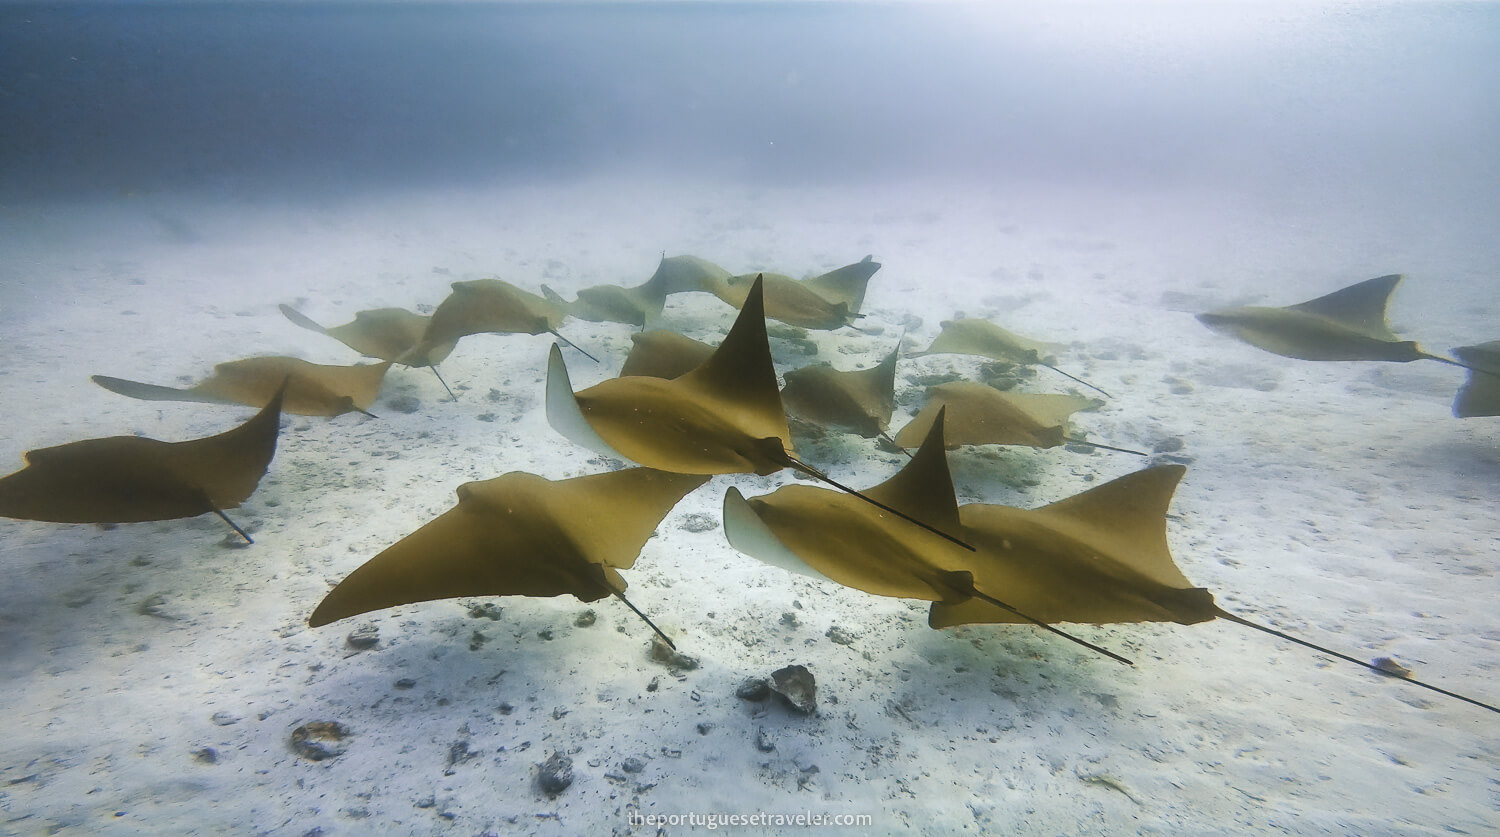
column 1348, row 324
column 860, row 401
column 724, row 417
column 829, row 536
column 687, row 274
column 1100, row 557
column 845, row 284
column 311, row 389
column 983, row 338
column 643, row 304
column 979, row 414
column 132, row 479
column 486, row 306
column 1480, row 395
column 612, row 304
column 382, row 333
column 825, row 302
column 664, row 354
column 519, row 535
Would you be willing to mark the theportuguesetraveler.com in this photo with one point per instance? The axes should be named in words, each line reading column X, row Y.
column 761, row 819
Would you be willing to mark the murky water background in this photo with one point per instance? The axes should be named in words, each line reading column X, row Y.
column 1089, row 174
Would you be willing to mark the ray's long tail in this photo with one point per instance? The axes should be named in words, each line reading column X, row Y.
column 1222, row 614
column 439, row 375
column 664, row 638
column 572, row 345
column 1064, row 634
column 1078, row 379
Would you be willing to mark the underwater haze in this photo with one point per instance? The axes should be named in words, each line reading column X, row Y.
column 249, row 97
column 184, row 185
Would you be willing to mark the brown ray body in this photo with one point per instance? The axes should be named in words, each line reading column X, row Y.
column 1348, row 324
column 312, row 389
column 519, row 535
column 1100, row 557
column 132, row 479
column 859, row 401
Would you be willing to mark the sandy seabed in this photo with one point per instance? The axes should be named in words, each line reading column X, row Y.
column 151, row 675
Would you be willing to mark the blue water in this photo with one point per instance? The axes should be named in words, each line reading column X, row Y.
column 257, row 97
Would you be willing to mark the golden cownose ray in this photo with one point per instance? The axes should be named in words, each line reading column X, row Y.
column 828, row 535
column 643, row 304
column 382, row 333
column 979, row 414
column 845, row 284
column 612, row 304
column 789, row 301
column 860, row 401
column 1348, row 324
column 1480, row 395
column 485, row 306
column 132, row 479
column 686, row 274
column 1100, row 557
column 824, row 302
column 519, row 535
column 312, row 389
column 664, row 354
column 724, row 417
column 985, row 339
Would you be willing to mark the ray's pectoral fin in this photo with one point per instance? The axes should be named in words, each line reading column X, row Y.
column 1480, row 394
column 1360, row 306
column 749, row 534
column 519, row 535
column 151, row 392
column 799, row 465
column 563, row 412
column 921, row 493
column 302, row 319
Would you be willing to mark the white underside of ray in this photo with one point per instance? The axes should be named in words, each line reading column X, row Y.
column 749, row 534
column 564, row 414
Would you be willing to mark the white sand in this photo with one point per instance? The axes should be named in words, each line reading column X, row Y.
column 1337, row 501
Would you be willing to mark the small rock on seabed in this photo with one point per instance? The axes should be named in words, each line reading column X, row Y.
column 321, row 740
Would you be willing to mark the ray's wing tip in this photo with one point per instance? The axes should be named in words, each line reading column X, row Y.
column 557, row 372
column 335, row 607
column 321, row 616
column 733, row 519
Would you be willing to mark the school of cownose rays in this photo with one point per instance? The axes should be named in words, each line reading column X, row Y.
column 683, row 411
